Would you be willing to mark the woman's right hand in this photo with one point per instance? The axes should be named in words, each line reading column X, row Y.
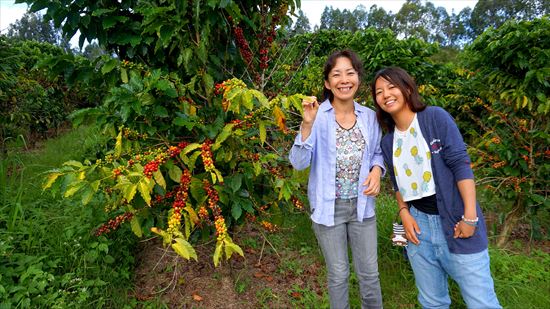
column 310, row 107
column 411, row 228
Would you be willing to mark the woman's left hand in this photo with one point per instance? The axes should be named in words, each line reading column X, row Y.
column 463, row 230
column 372, row 182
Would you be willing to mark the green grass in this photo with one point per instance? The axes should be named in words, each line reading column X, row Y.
column 521, row 280
column 49, row 257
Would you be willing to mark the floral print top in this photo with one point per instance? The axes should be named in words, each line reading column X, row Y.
column 350, row 146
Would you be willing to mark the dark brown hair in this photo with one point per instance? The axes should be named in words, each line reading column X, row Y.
column 331, row 62
column 404, row 82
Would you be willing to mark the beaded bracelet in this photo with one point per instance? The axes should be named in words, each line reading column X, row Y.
column 470, row 222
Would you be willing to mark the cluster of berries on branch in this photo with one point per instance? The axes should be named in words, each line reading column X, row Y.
column 182, row 194
column 206, row 154
column 113, row 224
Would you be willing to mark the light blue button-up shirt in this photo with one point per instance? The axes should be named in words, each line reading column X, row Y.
column 319, row 151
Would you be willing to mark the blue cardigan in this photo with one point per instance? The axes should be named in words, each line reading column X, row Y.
column 450, row 163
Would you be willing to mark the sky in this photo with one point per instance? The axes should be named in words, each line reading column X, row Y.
column 10, row 12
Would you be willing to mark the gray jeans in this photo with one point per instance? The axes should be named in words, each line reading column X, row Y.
column 362, row 239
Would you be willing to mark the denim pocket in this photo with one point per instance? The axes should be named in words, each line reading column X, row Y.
column 412, row 250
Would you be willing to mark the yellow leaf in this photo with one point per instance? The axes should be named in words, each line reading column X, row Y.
column 190, row 148
column 184, row 249
column 187, row 225
column 257, row 168
column 192, row 214
column 218, row 253
column 95, row 185
column 124, row 75
column 50, row 180
column 280, row 119
column 231, row 247
column 129, row 191
column 218, row 174
column 263, row 133
column 213, row 177
column 525, row 101
column 159, row 179
column 118, row 144
column 167, row 238
column 144, row 190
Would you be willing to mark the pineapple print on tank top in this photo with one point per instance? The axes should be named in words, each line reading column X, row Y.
column 412, row 163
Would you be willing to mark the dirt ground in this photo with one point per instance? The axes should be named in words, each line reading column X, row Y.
column 237, row 283
column 266, row 277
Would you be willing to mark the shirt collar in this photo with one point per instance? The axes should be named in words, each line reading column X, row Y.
column 326, row 106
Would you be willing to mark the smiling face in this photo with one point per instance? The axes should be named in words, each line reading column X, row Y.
column 343, row 80
column 389, row 97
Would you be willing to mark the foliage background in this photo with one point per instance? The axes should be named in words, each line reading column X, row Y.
column 213, row 88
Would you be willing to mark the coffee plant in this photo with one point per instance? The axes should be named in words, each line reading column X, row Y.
column 505, row 92
column 179, row 166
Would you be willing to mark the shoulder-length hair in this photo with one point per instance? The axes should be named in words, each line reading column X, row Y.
column 404, row 82
column 331, row 62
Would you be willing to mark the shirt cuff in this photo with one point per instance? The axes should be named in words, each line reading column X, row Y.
column 308, row 143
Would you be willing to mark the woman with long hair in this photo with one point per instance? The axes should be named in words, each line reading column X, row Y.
column 434, row 186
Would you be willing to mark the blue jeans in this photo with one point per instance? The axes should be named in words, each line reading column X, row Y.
column 362, row 238
column 432, row 264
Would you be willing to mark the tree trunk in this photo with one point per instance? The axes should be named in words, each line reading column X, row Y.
column 510, row 223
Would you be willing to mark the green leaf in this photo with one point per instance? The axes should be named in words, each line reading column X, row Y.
column 175, row 173
column 87, row 195
column 193, row 160
column 73, row 188
column 224, row 134
column 146, row 99
column 73, row 163
column 159, row 179
column 184, row 249
column 236, row 211
column 136, row 227
column 124, row 75
column 235, row 182
column 208, row 82
column 160, row 111
column 109, row 66
column 197, row 190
